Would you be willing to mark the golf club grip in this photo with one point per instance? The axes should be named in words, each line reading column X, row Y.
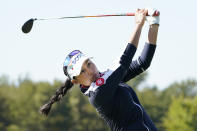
column 157, row 13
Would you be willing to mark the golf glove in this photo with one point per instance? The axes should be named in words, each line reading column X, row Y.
column 152, row 19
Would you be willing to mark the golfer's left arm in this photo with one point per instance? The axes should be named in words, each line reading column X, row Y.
column 144, row 60
column 152, row 34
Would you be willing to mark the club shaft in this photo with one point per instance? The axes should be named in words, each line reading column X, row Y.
column 88, row 16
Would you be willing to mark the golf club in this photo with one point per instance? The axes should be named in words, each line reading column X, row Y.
column 26, row 28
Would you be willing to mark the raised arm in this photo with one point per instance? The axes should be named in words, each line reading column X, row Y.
column 144, row 61
column 152, row 34
column 129, row 52
column 139, row 22
column 110, row 87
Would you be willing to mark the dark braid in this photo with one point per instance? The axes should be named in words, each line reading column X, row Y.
column 45, row 109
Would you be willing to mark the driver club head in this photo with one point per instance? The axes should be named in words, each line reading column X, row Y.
column 27, row 26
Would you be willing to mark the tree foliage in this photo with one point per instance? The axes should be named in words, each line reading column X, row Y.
column 182, row 115
column 173, row 108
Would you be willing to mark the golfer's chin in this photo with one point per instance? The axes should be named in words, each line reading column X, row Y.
column 92, row 79
column 87, row 83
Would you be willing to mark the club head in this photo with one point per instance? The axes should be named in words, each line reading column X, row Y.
column 26, row 28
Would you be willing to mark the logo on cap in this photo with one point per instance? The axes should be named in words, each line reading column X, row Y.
column 100, row 82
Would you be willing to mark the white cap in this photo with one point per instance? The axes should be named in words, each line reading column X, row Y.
column 75, row 64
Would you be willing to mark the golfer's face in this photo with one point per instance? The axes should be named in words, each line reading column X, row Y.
column 89, row 73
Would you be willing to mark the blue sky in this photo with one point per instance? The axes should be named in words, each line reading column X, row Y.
column 41, row 53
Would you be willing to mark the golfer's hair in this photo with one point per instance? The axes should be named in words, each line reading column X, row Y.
column 45, row 109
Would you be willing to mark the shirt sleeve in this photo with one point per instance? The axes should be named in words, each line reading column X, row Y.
column 125, row 60
column 141, row 64
column 109, row 88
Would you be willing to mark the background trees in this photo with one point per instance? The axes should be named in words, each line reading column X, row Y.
column 173, row 108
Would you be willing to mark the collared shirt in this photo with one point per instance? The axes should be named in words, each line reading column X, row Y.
column 115, row 101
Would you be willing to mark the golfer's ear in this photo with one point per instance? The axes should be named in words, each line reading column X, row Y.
column 74, row 81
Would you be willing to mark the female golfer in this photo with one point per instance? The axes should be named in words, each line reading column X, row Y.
column 114, row 100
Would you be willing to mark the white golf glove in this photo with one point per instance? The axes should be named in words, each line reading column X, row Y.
column 152, row 19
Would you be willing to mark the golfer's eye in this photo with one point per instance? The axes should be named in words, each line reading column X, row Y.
column 88, row 65
column 82, row 71
column 74, row 77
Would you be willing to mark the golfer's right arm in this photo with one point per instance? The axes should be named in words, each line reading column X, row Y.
column 116, row 77
column 126, row 58
column 140, row 16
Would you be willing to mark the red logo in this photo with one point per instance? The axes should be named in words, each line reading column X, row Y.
column 100, row 82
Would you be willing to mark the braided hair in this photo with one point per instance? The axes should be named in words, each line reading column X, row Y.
column 45, row 109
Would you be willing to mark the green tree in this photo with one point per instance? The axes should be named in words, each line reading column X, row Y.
column 84, row 114
column 150, row 98
column 182, row 115
column 20, row 103
column 5, row 88
column 185, row 88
